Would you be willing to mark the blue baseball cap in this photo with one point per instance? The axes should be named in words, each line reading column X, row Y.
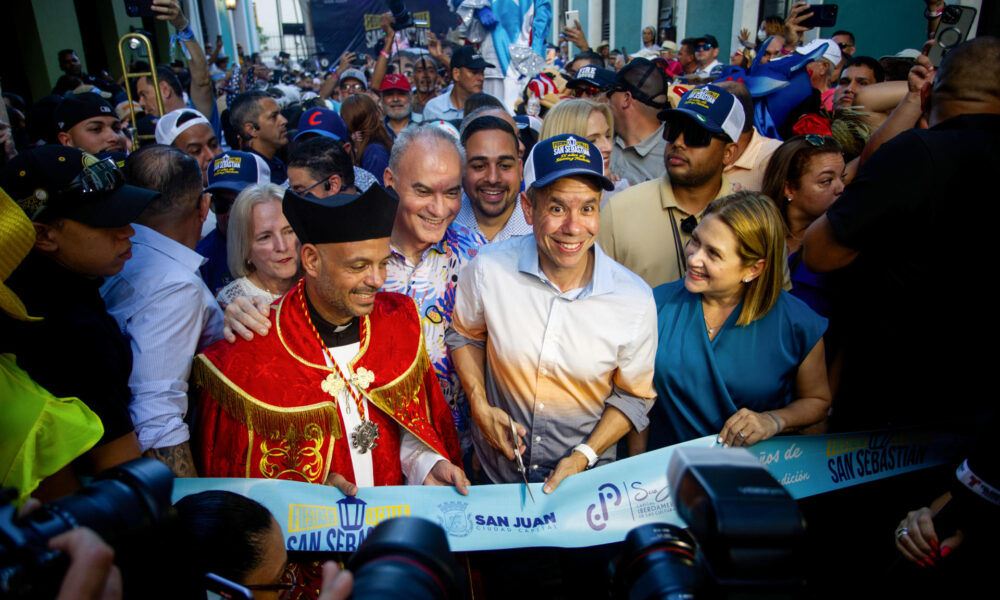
column 235, row 170
column 713, row 108
column 592, row 75
column 324, row 122
column 561, row 156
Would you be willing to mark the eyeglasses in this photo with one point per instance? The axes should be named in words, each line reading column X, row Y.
column 288, row 582
column 320, row 182
column 353, row 87
column 695, row 136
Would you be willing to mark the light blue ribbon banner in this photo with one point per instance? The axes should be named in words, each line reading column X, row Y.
column 595, row 507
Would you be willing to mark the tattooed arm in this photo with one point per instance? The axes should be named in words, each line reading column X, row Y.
column 178, row 458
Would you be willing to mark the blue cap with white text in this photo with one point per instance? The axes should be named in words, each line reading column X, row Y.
column 561, row 156
column 235, row 170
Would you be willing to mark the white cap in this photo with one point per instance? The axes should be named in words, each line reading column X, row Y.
column 167, row 128
column 832, row 52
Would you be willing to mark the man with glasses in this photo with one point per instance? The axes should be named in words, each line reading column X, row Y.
column 228, row 175
column 323, row 122
column 320, row 166
column 80, row 209
column 353, row 81
column 592, row 82
column 639, row 91
column 646, row 226
column 707, row 54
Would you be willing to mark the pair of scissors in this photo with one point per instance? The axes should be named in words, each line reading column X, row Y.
column 517, row 454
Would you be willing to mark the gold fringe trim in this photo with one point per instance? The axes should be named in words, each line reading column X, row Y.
column 404, row 389
column 264, row 419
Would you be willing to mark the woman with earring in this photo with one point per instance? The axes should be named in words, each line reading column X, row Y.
column 804, row 176
column 263, row 251
column 738, row 357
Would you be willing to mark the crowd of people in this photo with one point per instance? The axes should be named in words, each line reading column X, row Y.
column 382, row 275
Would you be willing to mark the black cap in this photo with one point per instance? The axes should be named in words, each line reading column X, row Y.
column 80, row 107
column 709, row 38
column 466, row 56
column 645, row 81
column 46, row 183
column 341, row 217
column 592, row 75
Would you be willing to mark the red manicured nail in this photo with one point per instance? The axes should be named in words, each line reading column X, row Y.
column 945, row 551
column 934, row 545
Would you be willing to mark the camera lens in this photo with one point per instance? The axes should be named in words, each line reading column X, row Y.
column 405, row 558
column 657, row 562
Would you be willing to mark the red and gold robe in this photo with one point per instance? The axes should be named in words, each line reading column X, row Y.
column 262, row 412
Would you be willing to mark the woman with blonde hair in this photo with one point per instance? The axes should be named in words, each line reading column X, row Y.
column 738, row 357
column 590, row 120
column 370, row 139
column 262, row 249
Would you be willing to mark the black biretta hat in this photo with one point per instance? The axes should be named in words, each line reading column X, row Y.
column 341, row 217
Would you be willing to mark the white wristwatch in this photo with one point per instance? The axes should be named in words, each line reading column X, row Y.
column 587, row 451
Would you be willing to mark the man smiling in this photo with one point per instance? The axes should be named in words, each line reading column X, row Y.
column 428, row 249
column 397, row 102
column 569, row 405
column 492, row 180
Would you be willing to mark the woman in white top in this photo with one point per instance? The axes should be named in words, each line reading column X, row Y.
column 262, row 249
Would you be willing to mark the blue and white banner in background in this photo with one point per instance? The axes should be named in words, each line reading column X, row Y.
column 594, row 507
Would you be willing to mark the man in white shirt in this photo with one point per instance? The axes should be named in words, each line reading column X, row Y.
column 707, row 54
column 161, row 303
column 467, row 71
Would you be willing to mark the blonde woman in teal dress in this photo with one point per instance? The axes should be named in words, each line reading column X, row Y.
column 738, row 357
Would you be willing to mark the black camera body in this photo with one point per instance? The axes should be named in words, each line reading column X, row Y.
column 745, row 535
column 122, row 504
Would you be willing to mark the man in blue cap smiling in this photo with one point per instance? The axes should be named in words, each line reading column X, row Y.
column 575, row 375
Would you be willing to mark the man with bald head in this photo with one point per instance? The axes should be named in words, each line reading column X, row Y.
column 898, row 369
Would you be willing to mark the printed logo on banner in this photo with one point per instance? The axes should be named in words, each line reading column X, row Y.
column 339, row 528
column 643, row 500
column 454, row 518
column 865, row 456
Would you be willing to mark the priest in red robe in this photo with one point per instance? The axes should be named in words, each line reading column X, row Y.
column 342, row 392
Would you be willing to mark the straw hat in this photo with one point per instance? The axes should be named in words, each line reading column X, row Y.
column 17, row 237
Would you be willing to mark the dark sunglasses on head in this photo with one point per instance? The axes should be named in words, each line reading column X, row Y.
column 695, row 135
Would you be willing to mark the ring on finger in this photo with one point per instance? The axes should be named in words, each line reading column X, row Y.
column 740, row 433
column 901, row 532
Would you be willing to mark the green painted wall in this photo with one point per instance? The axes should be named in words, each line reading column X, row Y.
column 883, row 27
column 628, row 25
column 56, row 28
column 713, row 17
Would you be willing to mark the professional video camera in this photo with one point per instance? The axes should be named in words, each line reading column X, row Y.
column 745, row 534
column 121, row 506
column 405, row 558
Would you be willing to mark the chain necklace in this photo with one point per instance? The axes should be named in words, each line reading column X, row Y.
column 364, row 435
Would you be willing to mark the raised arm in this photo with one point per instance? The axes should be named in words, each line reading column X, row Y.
column 382, row 63
column 908, row 109
column 201, row 81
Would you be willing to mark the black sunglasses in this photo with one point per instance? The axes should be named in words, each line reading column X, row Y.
column 220, row 201
column 589, row 91
column 695, row 136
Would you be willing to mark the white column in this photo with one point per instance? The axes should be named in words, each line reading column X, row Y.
column 744, row 17
column 594, row 18
column 240, row 34
column 680, row 19
column 650, row 16
column 190, row 8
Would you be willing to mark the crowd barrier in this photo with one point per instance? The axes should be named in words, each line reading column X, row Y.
column 594, row 507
